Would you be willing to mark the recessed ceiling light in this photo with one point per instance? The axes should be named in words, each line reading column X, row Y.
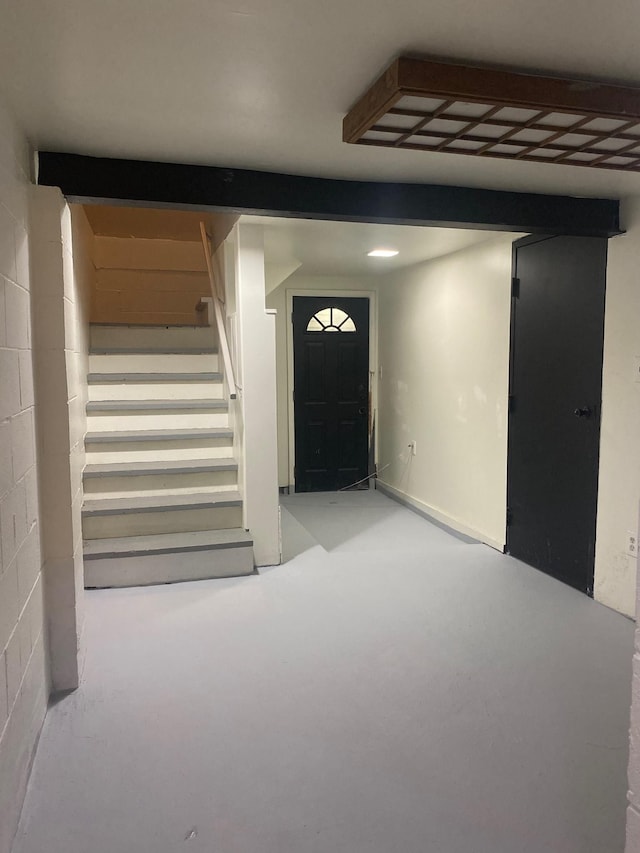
column 382, row 253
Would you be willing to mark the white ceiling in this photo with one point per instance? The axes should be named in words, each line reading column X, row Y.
column 264, row 84
column 316, row 247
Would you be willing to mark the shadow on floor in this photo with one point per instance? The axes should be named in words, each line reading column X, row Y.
column 360, row 520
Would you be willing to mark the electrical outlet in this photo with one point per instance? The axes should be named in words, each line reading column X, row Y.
column 412, row 447
column 632, row 543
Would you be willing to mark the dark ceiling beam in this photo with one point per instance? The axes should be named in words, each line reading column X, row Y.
column 139, row 182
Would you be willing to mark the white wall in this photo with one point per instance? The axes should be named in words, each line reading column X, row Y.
column 224, row 261
column 633, row 796
column 619, row 486
column 24, row 683
column 278, row 301
column 256, row 342
column 444, row 372
column 60, row 345
column 79, row 275
column 619, row 496
column 633, row 810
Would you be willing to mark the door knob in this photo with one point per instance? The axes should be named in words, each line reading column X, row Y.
column 362, row 410
column 584, row 412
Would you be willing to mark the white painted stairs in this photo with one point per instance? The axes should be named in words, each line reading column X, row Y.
column 161, row 502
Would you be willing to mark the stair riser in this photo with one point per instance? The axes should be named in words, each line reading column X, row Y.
column 150, row 363
column 155, row 391
column 217, row 530
column 171, row 419
column 100, row 485
column 168, row 568
column 144, row 337
column 170, row 521
column 156, row 451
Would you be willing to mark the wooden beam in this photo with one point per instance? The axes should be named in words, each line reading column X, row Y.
column 378, row 100
column 143, row 183
column 532, row 91
column 441, row 90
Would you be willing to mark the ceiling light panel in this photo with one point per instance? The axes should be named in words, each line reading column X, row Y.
column 482, row 112
column 382, row 253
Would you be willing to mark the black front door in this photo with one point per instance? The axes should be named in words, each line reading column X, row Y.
column 331, row 391
column 554, row 419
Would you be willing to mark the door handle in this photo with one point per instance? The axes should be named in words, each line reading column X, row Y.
column 583, row 412
column 362, row 410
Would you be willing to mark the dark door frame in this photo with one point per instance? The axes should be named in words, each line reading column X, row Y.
column 520, row 243
column 372, row 373
column 372, row 298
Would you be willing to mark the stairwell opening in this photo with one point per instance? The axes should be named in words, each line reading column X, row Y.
column 163, row 500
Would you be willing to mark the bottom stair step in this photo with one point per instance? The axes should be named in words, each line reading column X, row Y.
column 167, row 558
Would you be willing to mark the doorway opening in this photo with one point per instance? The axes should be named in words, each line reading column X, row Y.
column 557, row 333
column 83, row 179
column 332, row 392
column 441, row 393
column 432, row 412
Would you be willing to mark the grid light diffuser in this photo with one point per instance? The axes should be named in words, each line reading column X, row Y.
column 458, row 109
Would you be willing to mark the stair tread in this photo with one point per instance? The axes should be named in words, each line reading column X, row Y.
column 153, row 351
column 149, row 405
column 148, row 326
column 178, row 466
column 167, row 543
column 153, row 376
column 160, row 503
column 157, row 435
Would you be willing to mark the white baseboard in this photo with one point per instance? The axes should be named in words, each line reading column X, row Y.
column 433, row 514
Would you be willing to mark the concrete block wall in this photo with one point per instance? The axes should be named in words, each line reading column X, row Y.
column 24, row 682
column 62, row 278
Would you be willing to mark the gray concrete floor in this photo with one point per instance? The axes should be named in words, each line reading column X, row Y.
column 390, row 688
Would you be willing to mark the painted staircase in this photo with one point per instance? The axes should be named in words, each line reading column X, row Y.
column 161, row 500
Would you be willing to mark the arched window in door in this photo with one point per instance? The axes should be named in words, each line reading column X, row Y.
column 331, row 320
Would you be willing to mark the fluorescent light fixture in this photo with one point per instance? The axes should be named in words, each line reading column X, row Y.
column 382, row 253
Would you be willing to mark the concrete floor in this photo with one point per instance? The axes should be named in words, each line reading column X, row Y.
column 391, row 688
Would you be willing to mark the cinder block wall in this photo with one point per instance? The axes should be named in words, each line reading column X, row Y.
column 24, row 684
column 148, row 281
column 61, row 279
